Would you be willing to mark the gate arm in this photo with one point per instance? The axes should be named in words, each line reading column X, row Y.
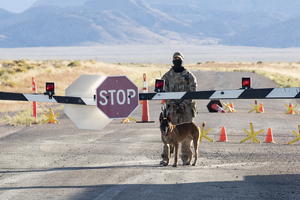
column 263, row 93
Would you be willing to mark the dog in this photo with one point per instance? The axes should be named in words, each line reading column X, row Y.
column 172, row 135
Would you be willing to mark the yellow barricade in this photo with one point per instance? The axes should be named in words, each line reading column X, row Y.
column 252, row 134
column 297, row 136
column 204, row 132
column 51, row 117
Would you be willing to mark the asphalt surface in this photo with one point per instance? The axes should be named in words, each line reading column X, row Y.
column 122, row 161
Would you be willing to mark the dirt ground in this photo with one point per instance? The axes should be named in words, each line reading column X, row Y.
column 122, row 161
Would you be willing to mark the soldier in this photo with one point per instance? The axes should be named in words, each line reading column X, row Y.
column 179, row 79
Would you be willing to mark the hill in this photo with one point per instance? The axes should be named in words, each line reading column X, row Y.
column 5, row 14
column 91, row 22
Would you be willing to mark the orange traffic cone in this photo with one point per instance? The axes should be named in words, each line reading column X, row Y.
column 223, row 135
column 231, row 106
column 291, row 109
column 145, row 111
column 261, row 108
column 145, row 104
column 269, row 137
column 258, row 108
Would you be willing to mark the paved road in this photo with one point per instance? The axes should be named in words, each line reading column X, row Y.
column 121, row 161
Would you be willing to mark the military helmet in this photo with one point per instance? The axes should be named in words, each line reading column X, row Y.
column 177, row 55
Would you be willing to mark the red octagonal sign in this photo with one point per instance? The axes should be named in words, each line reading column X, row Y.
column 117, row 97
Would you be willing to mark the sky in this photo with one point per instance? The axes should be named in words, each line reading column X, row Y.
column 16, row 5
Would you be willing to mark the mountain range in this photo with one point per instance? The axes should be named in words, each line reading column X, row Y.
column 269, row 23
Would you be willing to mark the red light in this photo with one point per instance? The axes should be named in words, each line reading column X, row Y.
column 246, row 83
column 50, row 87
column 159, row 85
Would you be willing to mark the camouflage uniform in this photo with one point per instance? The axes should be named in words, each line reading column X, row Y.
column 180, row 110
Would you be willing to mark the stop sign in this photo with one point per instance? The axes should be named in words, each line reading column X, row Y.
column 117, row 97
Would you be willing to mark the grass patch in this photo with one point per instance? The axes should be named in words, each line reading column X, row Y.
column 15, row 76
column 283, row 74
column 25, row 118
column 281, row 80
column 74, row 64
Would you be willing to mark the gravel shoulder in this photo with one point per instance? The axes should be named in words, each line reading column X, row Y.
column 122, row 161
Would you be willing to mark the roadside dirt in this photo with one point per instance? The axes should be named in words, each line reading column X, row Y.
column 122, row 161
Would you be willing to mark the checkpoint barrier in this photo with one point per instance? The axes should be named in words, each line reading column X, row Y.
column 92, row 101
column 51, row 117
column 229, row 107
column 297, row 134
column 204, row 132
column 258, row 108
column 252, row 134
column 291, row 109
column 128, row 120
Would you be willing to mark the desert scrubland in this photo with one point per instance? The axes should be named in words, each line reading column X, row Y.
column 16, row 75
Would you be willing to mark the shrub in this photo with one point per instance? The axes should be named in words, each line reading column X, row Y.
column 20, row 62
column 10, row 71
column 9, row 83
column 74, row 64
column 20, row 69
column 7, row 64
column 29, row 67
